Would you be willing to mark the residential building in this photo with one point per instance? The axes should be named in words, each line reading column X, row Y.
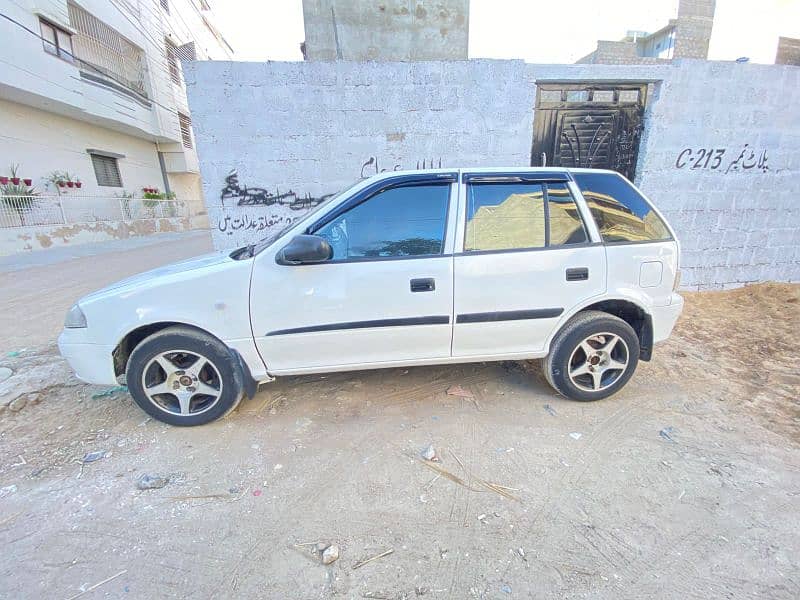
column 361, row 30
column 686, row 36
column 94, row 88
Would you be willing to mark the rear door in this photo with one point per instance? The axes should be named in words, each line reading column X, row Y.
column 524, row 256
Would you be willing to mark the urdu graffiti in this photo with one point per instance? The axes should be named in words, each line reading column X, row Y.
column 260, row 197
column 712, row 159
column 247, row 214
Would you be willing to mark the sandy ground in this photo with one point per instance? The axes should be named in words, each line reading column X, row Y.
column 684, row 485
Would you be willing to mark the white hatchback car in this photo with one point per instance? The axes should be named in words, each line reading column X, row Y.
column 574, row 266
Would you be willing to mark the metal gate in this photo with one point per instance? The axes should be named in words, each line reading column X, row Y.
column 588, row 125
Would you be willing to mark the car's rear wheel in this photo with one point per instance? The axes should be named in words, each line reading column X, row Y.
column 183, row 376
column 592, row 357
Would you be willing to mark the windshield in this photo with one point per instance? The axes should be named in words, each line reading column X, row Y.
column 266, row 241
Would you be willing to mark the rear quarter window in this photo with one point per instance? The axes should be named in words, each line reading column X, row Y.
column 620, row 211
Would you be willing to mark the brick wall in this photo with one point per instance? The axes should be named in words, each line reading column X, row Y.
column 313, row 128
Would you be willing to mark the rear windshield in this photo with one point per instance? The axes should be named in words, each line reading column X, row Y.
column 621, row 213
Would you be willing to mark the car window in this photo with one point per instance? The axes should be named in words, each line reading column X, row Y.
column 620, row 211
column 399, row 221
column 509, row 216
column 566, row 226
column 504, row 216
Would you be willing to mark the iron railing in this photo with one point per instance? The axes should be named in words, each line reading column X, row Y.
column 29, row 211
column 103, row 50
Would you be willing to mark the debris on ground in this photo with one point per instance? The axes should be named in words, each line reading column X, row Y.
column 361, row 563
column 18, row 404
column 429, row 453
column 15, row 353
column 330, row 554
column 457, row 390
column 550, row 410
column 91, row 457
column 110, row 392
column 97, row 585
column 8, row 490
column 521, row 554
column 482, row 518
column 666, row 433
column 575, row 435
column 506, row 589
column 145, row 481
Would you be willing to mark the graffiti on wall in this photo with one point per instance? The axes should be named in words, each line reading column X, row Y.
column 260, row 197
column 283, row 208
column 713, row 159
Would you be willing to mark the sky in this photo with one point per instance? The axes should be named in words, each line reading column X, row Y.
column 535, row 30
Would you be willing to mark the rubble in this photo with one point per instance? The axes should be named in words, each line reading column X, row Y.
column 330, row 554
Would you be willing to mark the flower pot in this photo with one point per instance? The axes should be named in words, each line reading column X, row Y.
column 62, row 184
column 78, row 184
column 3, row 180
column 27, row 182
column 70, row 183
column 15, row 180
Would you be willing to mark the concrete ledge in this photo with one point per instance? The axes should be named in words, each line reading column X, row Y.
column 25, row 239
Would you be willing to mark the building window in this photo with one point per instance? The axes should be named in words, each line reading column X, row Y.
column 186, row 129
column 165, row 5
column 101, row 50
column 56, row 41
column 106, row 170
column 172, row 61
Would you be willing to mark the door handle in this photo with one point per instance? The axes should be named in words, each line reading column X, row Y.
column 426, row 284
column 578, row 274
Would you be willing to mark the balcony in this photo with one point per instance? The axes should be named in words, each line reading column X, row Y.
column 104, row 55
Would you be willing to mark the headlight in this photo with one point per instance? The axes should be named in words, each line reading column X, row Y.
column 75, row 318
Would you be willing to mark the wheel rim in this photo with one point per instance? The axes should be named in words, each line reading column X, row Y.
column 181, row 382
column 598, row 362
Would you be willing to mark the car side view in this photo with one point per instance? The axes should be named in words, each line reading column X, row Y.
column 573, row 266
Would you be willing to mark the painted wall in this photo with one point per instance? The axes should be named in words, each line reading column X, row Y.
column 14, row 240
column 718, row 153
column 388, row 30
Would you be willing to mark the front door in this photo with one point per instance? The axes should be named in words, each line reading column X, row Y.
column 385, row 296
column 527, row 259
column 595, row 126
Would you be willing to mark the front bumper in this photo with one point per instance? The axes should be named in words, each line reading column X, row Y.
column 665, row 317
column 92, row 363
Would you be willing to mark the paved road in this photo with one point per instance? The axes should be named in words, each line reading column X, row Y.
column 37, row 288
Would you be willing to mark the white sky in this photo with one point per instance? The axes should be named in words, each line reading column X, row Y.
column 540, row 31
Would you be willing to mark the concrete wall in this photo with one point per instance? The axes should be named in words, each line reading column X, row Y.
column 788, row 51
column 21, row 239
column 314, row 127
column 386, row 30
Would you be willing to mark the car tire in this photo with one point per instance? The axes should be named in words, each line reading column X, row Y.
column 592, row 357
column 184, row 376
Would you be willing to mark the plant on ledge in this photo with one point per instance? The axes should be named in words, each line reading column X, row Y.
column 62, row 179
column 17, row 195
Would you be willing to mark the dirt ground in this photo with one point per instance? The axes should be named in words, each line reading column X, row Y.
column 684, row 485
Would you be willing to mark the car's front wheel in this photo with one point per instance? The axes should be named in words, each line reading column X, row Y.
column 183, row 376
column 592, row 357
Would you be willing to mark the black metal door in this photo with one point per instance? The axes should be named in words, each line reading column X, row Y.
column 595, row 126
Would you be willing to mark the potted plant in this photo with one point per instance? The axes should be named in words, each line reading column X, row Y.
column 15, row 180
column 18, row 198
column 70, row 184
column 3, row 180
column 78, row 183
column 27, row 182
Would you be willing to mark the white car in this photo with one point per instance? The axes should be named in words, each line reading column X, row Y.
column 406, row 268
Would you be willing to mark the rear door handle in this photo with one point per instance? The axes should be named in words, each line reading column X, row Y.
column 578, row 274
column 427, row 284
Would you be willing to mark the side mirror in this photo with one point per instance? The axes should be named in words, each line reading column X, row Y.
column 304, row 249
